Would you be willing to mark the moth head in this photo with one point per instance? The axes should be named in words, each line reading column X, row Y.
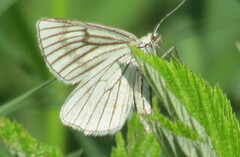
column 150, row 42
column 151, row 39
column 156, row 39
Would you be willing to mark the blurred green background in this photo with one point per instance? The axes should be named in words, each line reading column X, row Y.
column 205, row 33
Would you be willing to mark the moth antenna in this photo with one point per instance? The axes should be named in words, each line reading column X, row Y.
column 170, row 13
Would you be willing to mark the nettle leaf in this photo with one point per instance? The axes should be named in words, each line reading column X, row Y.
column 203, row 121
column 20, row 143
column 119, row 150
column 138, row 143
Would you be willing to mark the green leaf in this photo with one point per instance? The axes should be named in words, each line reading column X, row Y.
column 138, row 143
column 178, row 140
column 204, row 112
column 10, row 106
column 20, row 143
column 120, row 150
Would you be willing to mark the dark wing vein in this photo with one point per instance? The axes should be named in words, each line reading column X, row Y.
column 61, row 33
column 55, row 27
column 60, row 41
column 63, row 46
column 115, row 30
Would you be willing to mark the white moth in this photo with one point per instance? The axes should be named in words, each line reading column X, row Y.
column 98, row 58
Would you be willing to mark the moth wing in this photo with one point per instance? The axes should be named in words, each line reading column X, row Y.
column 101, row 105
column 73, row 49
column 142, row 98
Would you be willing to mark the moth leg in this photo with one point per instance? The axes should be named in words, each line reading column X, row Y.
column 169, row 51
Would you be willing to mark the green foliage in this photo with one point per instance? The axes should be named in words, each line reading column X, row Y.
column 20, row 143
column 138, row 143
column 238, row 45
column 12, row 105
column 203, row 120
column 5, row 5
column 120, row 150
column 77, row 153
column 204, row 40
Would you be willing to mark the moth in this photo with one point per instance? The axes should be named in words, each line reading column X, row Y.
column 98, row 59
